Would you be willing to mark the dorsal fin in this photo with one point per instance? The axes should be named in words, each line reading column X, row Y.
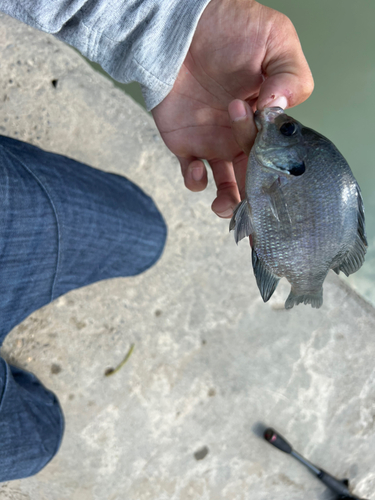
column 361, row 218
column 266, row 280
column 355, row 257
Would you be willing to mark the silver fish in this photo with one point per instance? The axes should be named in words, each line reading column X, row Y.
column 303, row 210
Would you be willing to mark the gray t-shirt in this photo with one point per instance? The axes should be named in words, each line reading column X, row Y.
column 133, row 40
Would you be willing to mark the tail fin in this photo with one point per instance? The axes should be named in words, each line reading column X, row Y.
column 315, row 299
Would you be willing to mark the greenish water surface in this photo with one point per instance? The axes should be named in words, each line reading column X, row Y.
column 338, row 39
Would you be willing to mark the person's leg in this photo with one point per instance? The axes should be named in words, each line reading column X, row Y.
column 63, row 225
column 31, row 424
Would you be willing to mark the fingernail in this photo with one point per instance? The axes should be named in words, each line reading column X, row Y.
column 226, row 213
column 280, row 102
column 197, row 173
column 237, row 110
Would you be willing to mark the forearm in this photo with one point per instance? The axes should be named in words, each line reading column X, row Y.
column 143, row 41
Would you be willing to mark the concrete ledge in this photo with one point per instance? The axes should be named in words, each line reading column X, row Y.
column 210, row 361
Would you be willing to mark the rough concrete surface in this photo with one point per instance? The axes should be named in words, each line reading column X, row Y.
column 210, row 362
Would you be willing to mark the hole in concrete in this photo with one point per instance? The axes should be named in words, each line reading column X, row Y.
column 201, row 454
column 158, row 312
column 54, row 83
column 55, row 368
column 204, row 342
column 211, row 392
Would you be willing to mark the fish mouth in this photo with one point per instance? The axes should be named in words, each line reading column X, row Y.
column 266, row 115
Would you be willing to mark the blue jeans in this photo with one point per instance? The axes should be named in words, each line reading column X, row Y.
column 63, row 225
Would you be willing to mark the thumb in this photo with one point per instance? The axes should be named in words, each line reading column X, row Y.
column 242, row 123
column 288, row 79
column 244, row 131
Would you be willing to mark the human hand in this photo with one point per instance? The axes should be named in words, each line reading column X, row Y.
column 240, row 50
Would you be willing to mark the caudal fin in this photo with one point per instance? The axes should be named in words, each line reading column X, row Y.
column 315, row 299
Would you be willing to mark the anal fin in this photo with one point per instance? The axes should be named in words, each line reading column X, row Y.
column 266, row 280
column 241, row 221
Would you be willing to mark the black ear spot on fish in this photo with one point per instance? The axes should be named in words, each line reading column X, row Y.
column 297, row 170
column 288, row 128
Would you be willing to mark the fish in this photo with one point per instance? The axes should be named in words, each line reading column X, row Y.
column 303, row 209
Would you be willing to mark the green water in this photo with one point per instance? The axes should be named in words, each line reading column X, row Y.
column 133, row 89
column 338, row 39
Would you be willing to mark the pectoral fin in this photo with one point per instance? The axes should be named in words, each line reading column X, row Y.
column 266, row 280
column 241, row 221
column 278, row 204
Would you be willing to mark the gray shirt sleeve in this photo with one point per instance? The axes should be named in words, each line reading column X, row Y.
column 133, row 40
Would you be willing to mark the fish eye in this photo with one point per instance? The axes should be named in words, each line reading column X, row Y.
column 288, row 128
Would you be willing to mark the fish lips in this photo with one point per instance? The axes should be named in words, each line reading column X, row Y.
column 266, row 115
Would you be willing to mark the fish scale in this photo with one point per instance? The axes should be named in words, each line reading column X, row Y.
column 303, row 209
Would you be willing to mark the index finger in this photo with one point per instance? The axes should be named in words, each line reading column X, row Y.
column 285, row 67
